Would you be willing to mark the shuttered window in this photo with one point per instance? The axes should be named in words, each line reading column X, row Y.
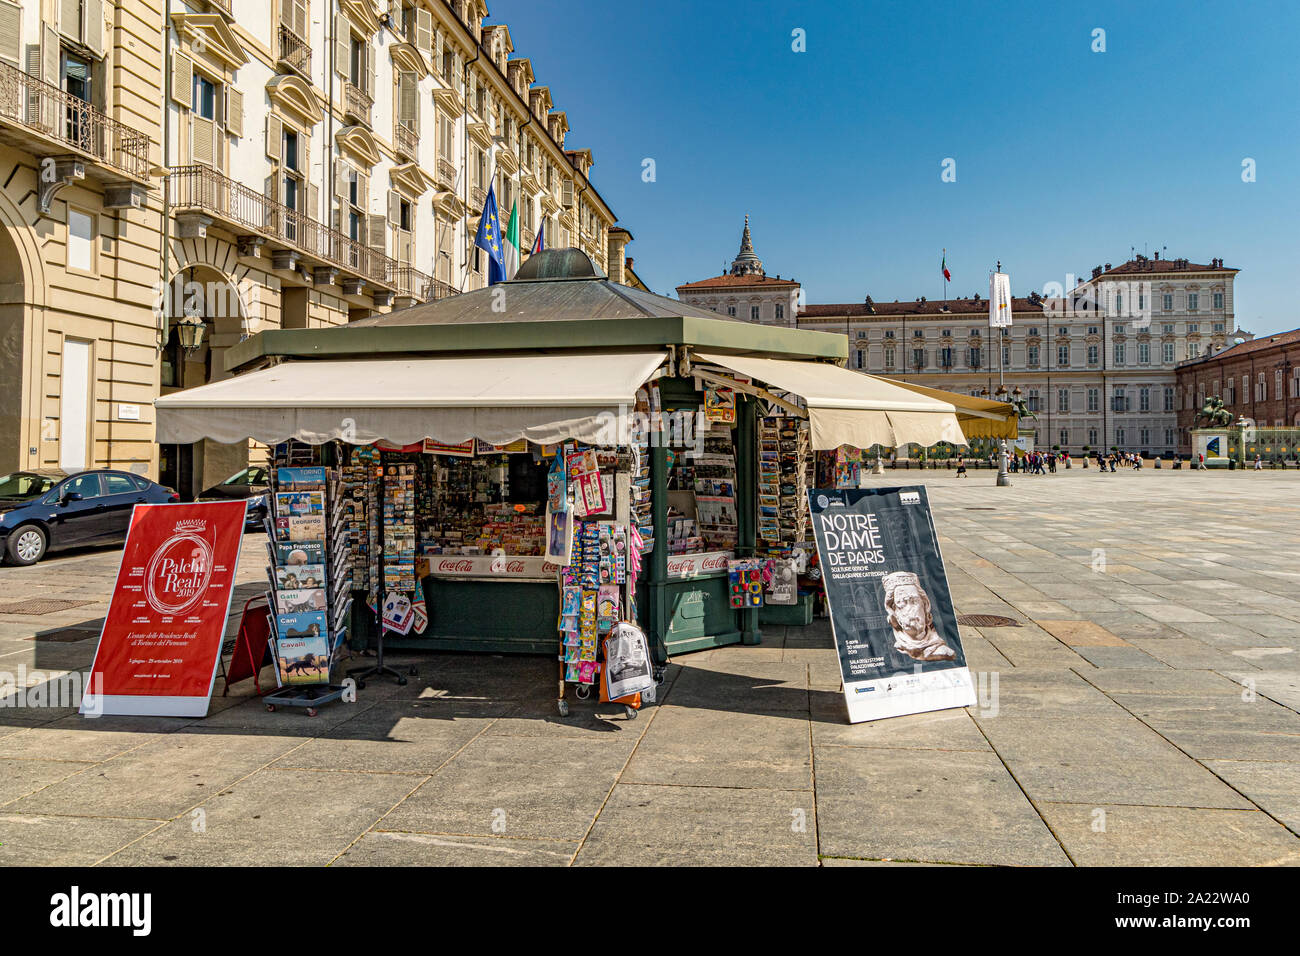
column 11, row 19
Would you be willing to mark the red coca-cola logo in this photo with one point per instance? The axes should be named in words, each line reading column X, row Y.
column 456, row 566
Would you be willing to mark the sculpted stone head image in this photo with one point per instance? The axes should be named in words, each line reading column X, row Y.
column 908, row 607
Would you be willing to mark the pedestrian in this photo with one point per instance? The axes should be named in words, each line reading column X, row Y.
column 1051, row 462
column 1259, row 465
column 961, row 467
column 1200, row 461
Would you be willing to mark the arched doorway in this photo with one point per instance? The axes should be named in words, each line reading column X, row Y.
column 12, row 351
column 202, row 293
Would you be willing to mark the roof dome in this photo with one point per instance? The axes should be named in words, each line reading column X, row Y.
column 570, row 263
column 747, row 262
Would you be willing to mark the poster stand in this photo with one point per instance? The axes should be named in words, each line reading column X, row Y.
column 379, row 668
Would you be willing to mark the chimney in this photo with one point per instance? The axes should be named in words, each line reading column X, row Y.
column 627, row 263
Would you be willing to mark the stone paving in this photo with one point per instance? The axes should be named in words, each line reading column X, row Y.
column 1144, row 712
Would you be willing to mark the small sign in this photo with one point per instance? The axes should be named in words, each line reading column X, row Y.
column 128, row 413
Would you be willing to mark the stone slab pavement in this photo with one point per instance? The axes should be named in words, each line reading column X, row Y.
column 1143, row 711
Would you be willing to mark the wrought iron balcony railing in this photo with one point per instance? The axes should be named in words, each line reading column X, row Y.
column 406, row 139
column 294, row 51
column 411, row 282
column 30, row 104
column 357, row 101
column 204, row 189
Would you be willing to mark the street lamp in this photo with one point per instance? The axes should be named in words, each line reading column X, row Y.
column 190, row 332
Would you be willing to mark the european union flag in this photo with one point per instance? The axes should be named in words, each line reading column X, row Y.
column 489, row 238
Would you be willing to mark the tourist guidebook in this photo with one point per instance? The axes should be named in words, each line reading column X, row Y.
column 891, row 612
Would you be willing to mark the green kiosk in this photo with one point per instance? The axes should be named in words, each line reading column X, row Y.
column 562, row 353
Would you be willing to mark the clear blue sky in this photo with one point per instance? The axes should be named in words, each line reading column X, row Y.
column 1065, row 158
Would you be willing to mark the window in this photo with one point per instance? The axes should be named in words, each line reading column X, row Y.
column 1277, row 384
column 1092, row 437
column 780, row 311
column 85, row 485
column 1062, row 399
column 1062, row 356
column 1093, row 354
column 976, row 354
column 204, row 97
column 1092, row 330
column 753, row 313
column 859, row 358
column 1144, row 399
column 1193, row 327
column 731, row 311
column 946, row 333
column 1167, row 352
column 1064, row 437
column 1006, row 356
column 1193, row 350
column 1031, row 400
column 945, row 357
column 1094, row 399
column 1144, row 353
column 889, row 358
column 1168, row 328
column 1032, row 331
column 1261, row 389
column 1218, row 327
column 1119, row 437
column 1118, row 403
column 1167, row 302
column 1119, row 303
column 81, row 240
column 1193, row 301
column 889, row 333
column 1031, row 353
column 291, row 178
column 1144, row 437
column 1218, row 300
column 1169, row 398
column 118, row 485
column 1119, row 328
column 1169, row 436
column 918, row 358
column 1119, row 353
column 357, row 61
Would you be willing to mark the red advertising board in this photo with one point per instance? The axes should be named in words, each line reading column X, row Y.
column 161, row 642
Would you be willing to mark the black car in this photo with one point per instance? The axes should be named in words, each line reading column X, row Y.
column 251, row 484
column 44, row 511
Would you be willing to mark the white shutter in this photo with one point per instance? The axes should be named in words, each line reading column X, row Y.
column 11, row 22
column 203, row 139
column 313, row 201
column 274, row 136
column 363, row 191
column 94, row 26
column 370, row 67
column 377, row 233
column 341, row 171
column 50, row 49
column 394, row 208
column 70, row 19
column 408, row 87
column 424, row 30
column 183, row 80
column 234, row 111
column 342, row 38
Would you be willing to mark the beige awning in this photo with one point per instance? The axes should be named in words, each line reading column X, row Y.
column 979, row 417
column 585, row 396
column 849, row 408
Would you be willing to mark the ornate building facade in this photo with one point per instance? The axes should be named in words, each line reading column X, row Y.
column 746, row 291
column 248, row 165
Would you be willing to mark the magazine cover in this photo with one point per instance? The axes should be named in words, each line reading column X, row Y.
column 314, row 475
column 302, row 624
column 627, row 668
column 891, row 611
column 295, row 503
column 300, row 600
column 301, row 527
column 302, row 660
column 559, row 536
column 289, row 553
column 295, row 576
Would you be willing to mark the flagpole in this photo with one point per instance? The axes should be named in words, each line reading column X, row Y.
column 1004, row 479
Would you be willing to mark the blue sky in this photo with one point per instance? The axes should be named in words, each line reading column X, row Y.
column 1065, row 158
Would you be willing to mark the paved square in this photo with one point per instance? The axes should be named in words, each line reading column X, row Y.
column 1144, row 712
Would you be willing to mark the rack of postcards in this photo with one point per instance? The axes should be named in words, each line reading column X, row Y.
column 591, row 530
column 783, row 456
column 310, row 575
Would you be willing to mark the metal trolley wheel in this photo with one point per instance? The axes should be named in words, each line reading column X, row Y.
column 582, row 691
column 630, row 711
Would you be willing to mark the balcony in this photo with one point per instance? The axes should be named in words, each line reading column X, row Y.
column 407, row 140
column 357, row 103
column 203, row 190
column 409, row 282
column 477, row 198
column 446, row 175
column 47, row 121
column 294, row 52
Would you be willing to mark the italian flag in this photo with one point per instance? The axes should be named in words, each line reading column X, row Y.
column 512, row 242
column 943, row 267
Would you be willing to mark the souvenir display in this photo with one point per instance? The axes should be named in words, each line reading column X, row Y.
column 783, row 457
column 745, row 582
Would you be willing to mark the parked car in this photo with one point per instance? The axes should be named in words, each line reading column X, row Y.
column 44, row 511
column 251, row 484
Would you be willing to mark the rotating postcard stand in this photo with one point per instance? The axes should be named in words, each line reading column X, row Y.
column 622, row 514
column 379, row 668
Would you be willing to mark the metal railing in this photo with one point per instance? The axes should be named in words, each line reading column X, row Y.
column 294, row 51
column 357, row 101
column 446, row 172
column 407, row 139
column 204, row 189
column 411, row 282
column 35, row 105
column 477, row 197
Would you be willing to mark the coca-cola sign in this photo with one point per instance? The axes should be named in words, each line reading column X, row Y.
column 494, row 565
column 692, row 565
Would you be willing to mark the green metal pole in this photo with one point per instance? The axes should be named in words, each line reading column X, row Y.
column 747, row 501
column 658, row 589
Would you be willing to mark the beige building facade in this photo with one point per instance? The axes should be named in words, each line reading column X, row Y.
column 248, row 165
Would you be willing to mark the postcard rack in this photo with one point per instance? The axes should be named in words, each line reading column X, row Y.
column 310, row 577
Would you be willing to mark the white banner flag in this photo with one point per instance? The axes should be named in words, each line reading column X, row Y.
column 999, row 300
